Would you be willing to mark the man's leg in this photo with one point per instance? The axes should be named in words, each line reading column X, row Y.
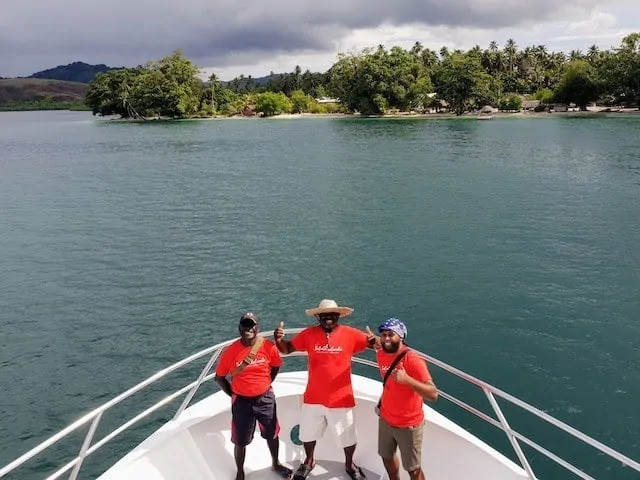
column 267, row 415
column 410, row 445
column 342, row 421
column 309, row 451
column 313, row 424
column 392, row 466
column 239, row 454
column 274, row 449
column 348, row 457
column 417, row 474
column 387, row 447
column 243, row 424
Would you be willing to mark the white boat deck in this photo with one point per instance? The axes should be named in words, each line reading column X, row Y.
column 324, row 470
column 197, row 445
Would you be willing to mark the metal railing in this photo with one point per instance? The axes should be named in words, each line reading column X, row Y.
column 191, row 389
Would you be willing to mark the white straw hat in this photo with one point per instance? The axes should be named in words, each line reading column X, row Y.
column 329, row 306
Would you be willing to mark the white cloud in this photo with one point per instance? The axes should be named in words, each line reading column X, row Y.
column 594, row 25
column 600, row 29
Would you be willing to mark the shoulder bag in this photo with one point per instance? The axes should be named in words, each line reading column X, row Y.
column 250, row 356
column 388, row 374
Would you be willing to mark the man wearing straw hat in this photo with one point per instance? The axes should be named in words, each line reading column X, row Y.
column 328, row 399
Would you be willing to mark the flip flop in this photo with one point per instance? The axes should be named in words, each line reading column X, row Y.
column 356, row 474
column 283, row 471
column 303, row 472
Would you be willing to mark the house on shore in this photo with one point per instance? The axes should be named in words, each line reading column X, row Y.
column 248, row 111
column 327, row 100
column 529, row 105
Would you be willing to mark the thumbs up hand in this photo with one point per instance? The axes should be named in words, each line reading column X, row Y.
column 372, row 339
column 278, row 333
column 369, row 333
column 401, row 376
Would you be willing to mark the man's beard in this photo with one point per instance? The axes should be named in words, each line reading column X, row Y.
column 393, row 348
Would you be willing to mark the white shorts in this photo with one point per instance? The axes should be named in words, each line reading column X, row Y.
column 315, row 419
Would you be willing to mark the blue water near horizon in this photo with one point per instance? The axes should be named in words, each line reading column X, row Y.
column 509, row 248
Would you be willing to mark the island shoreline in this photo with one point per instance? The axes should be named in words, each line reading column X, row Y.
column 593, row 113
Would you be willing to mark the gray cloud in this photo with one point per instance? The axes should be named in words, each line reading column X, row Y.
column 263, row 38
column 129, row 32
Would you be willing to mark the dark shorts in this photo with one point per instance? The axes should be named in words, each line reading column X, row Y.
column 247, row 411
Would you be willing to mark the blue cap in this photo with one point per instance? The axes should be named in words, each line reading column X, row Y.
column 394, row 325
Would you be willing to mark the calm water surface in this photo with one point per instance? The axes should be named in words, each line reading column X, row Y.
column 509, row 247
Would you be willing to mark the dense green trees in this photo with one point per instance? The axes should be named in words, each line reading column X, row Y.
column 579, row 84
column 461, row 81
column 377, row 80
column 169, row 87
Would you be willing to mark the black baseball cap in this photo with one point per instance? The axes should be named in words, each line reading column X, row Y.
column 249, row 320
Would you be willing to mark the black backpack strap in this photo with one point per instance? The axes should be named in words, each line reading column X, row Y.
column 393, row 365
column 388, row 374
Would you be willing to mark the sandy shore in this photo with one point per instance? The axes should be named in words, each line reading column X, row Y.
column 591, row 112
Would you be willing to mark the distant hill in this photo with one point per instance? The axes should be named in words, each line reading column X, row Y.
column 41, row 94
column 264, row 80
column 258, row 81
column 74, row 72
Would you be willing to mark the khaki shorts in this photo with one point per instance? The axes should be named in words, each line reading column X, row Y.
column 408, row 440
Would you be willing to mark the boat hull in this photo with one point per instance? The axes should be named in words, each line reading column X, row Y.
column 197, row 444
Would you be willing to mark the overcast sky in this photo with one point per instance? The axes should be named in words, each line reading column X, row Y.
column 255, row 37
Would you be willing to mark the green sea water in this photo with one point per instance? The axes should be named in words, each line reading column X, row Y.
column 510, row 248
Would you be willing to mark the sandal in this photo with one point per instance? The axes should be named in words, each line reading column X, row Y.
column 283, row 471
column 356, row 474
column 303, row 472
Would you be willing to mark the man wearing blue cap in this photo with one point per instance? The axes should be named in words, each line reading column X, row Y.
column 401, row 422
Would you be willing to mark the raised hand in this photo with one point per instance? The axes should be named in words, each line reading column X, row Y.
column 369, row 333
column 372, row 339
column 401, row 376
column 278, row 333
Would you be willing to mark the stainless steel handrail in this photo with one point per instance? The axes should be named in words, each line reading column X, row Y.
column 95, row 416
column 101, row 409
column 533, row 410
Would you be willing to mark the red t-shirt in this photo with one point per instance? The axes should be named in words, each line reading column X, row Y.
column 255, row 379
column 401, row 405
column 329, row 358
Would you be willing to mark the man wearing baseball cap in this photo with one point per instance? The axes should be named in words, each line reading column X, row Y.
column 253, row 363
column 401, row 421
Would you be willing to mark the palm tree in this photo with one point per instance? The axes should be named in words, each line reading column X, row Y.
column 576, row 55
column 213, row 84
column 429, row 58
column 593, row 54
column 510, row 49
column 416, row 50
